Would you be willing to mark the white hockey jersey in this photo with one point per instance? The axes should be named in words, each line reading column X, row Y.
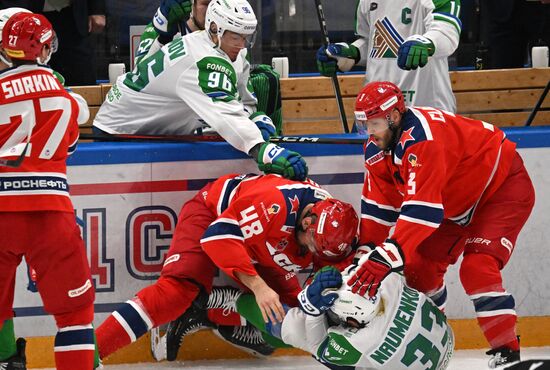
column 175, row 90
column 410, row 332
column 382, row 26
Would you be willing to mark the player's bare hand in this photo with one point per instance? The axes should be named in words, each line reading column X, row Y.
column 270, row 305
column 266, row 298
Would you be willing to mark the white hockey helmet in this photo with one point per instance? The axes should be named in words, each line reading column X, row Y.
column 5, row 14
column 353, row 309
column 232, row 15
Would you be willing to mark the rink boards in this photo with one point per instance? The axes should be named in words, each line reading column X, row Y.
column 127, row 197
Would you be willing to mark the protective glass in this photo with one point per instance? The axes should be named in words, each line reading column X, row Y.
column 237, row 40
column 372, row 126
column 310, row 241
column 55, row 43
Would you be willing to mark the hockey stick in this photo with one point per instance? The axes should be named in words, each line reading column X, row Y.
column 14, row 163
column 216, row 138
column 537, row 106
column 335, row 84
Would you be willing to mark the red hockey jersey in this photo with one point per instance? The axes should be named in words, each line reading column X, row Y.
column 441, row 167
column 35, row 108
column 256, row 223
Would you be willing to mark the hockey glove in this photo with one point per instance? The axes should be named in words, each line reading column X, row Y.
column 362, row 250
column 264, row 123
column 339, row 57
column 274, row 159
column 414, row 52
column 169, row 14
column 325, row 64
column 318, row 296
column 375, row 266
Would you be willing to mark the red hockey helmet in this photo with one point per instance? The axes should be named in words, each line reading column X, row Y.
column 25, row 34
column 377, row 99
column 335, row 229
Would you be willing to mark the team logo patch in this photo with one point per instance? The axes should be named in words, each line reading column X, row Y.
column 386, row 40
column 273, row 209
column 373, row 6
column 413, row 160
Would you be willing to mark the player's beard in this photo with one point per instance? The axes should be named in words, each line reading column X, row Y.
column 394, row 139
column 302, row 249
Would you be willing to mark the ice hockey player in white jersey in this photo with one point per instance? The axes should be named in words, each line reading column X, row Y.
column 406, row 42
column 175, row 18
column 196, row 79
column 399, row 328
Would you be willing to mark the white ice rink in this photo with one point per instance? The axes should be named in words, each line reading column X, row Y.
column 462, row 360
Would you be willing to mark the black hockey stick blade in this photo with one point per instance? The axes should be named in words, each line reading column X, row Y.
column 355, row 139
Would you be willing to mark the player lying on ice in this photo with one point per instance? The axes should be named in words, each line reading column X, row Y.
column 449, row 185
column 259, row 230
column 398, row 328
column 200, row 78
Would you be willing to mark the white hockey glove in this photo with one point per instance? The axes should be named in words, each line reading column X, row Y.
column 264, row 123
column 375, row 266
column 318, row 296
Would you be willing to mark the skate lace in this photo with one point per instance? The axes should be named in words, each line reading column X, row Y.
column 225, row 298
column 3, row 365
column 248, row 334
column 189, row 329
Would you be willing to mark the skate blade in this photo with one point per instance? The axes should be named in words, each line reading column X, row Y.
column 158, row 345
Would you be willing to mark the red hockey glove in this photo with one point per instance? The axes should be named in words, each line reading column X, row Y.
column 375, row 266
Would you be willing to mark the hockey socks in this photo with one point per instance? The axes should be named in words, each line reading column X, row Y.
column 495, row 308
column 249, row 309
column 122, row 327
column 74, row 348
column 439, row 297
column 7, row 340
column 154, row 305
column 221, row 317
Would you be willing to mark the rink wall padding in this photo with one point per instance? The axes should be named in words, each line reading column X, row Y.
column 127, row 197
column 204, row 345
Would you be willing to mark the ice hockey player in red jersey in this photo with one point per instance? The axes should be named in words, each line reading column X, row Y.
column 38, row 129
column 449, row 185
column 259, row 230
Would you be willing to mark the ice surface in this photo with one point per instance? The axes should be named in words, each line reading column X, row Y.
column 462, row 360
